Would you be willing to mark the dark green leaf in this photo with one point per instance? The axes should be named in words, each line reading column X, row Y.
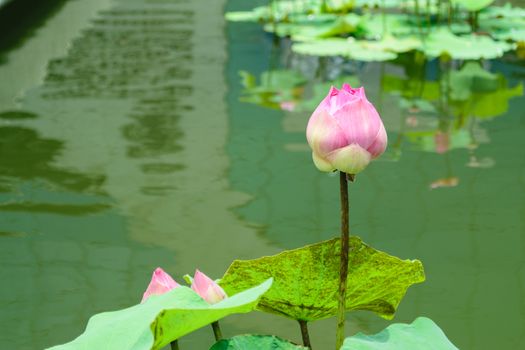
column 252, row 342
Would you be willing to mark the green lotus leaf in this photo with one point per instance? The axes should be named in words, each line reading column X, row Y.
column 306, row 280
column 516, row 35
column 260, row 13
column 393, row 44
column 318, row 18
column 325, row 27
column 161, row 319
column 473, row 5
column 395, row 24
column 506, row 11
column 251, row 341
column 242, row 16
column 341, row 25
column 327, row 47
column 423, row 333
column 358, row 50
column 469, row 47
column 398, row 4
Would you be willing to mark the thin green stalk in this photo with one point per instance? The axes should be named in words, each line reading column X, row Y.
column 343, row 269
column 305, row 334
column 216, row 330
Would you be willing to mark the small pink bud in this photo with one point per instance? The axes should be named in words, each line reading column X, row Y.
column 160, row 283
column 207, row 288
column 345, row 131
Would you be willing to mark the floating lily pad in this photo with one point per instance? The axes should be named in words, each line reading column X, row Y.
column 506, row 11
column 260, row 13
column 423, row 333
column 306, row 280
column 376, row 26
column 469, row 47
column 324, row 27
column 250, row 342
column 473, row 5
column 392, row 44
column 516, row 35
column 358, row 50
column 161, row 319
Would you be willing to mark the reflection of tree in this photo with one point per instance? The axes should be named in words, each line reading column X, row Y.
column 132, row 54
column 25, row 155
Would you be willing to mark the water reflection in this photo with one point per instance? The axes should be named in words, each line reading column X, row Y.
column 115, row 175
column 27, row 156
column 441, row 105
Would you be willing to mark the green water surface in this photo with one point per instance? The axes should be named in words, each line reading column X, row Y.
column 124, row 146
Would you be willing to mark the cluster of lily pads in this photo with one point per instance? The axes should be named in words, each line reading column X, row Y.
column 299, row 284
column 381, row 30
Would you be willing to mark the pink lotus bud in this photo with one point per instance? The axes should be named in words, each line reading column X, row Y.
column 160, row 283
column 345, row 132
column 207, row 288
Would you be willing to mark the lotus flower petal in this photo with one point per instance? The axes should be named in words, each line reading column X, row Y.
column 160, row 283
column 207, row 288
column 345, row 132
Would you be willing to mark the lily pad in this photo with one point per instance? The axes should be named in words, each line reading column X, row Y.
column 506, row 11
column 423, row 333
column 375, row 26
column 250, row 342
column 469, row 47
column 324, row 27
column 392, row 44
column 473, row 5
column 161, row 319
column 516, row 35
column 260, row 13
column 358, row 50
column 306, row 280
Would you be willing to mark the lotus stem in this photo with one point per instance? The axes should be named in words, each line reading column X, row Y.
column 216, row 330
column 175, row 345
column 343, row 270
column 305, row 334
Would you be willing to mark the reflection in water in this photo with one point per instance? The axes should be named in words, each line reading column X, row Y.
column 114, row 176
column 26, row 156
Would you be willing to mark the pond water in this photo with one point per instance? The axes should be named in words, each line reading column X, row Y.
column 128, row 141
